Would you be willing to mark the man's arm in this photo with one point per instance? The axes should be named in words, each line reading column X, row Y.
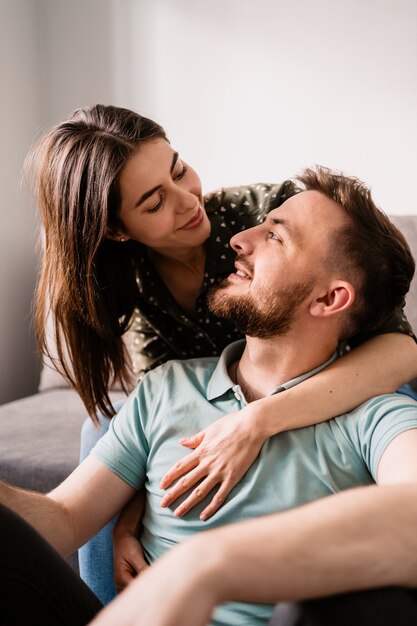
column 128, row 556
column 362, row 538
column 73, row 512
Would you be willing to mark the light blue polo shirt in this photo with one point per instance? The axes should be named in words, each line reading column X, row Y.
column 180, row 398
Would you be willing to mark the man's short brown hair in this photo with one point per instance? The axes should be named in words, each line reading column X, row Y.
column 369, row 251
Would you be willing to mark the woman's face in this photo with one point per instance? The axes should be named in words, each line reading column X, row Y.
column 161, row 200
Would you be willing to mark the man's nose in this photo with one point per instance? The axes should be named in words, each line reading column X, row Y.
column 244, row 241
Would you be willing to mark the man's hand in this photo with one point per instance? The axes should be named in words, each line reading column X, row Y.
column 178, row 590
column 372, row 525
column 129, row 560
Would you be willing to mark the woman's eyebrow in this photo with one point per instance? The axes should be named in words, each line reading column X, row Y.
column 149, row 193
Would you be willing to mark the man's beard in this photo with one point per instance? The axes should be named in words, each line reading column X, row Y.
column 271, row 314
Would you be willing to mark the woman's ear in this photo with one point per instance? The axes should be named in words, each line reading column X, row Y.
column 339, row 298
column 116, row 235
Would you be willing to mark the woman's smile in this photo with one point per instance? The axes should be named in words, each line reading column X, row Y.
column 195, row 221
column 169, row 213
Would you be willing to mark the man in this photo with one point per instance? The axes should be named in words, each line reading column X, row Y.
column 323, row 264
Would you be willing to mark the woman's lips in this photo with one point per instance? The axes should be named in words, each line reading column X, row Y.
column 194, row 222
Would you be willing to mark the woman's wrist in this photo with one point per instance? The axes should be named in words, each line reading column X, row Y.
column 265, row 417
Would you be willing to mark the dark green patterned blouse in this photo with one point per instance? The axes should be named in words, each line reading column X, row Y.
column 162, row 330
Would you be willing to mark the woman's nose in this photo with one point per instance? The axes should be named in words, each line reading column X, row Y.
column 185, row 201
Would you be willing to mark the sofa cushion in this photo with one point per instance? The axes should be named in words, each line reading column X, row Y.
column 408, row 226
column 40, row 438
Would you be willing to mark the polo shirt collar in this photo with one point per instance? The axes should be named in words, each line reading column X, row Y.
column 220, row 381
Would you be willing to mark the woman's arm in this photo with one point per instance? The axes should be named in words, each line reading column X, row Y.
column 381, row 365
column 146, row 347
column 228, row 447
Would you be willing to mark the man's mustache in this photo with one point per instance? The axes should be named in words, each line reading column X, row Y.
column 243, row 260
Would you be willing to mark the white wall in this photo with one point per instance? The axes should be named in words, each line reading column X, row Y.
column 54, row 56
column 77, row 56
column 19, row 119
column 247, row 91
column 257, row 90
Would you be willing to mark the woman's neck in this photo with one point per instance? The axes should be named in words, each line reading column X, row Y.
column 182, row 271
column 187, row 258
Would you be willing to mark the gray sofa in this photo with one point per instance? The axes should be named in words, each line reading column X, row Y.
column 39, row 435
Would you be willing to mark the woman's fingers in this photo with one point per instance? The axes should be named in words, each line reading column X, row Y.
column 217, row 501
column 198, row 494
column 183, row 485
column 194, row 441
column 186, row 464
column 223, row 453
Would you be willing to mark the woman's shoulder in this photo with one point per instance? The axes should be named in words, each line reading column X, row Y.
column 254, row 199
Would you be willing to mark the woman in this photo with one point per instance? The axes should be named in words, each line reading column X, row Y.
column 129, row 235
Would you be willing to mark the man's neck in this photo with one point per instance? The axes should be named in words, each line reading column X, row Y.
column 268, row 363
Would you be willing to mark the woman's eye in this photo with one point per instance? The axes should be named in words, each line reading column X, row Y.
column 182, row 173
column 156, row 207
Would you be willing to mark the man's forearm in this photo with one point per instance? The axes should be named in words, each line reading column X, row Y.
column 45, row 514
column 358, row 539
column 130, row 518
column 355, row 540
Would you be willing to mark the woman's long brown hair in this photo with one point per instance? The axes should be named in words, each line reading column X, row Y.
column 87, row 281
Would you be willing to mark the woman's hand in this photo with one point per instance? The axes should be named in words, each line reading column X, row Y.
column 223, row 454
column 129, row 560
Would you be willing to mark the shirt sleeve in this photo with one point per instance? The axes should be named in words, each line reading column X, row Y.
column 147, row 349
column 377, row 422
column 250, row 203
column 124, row 448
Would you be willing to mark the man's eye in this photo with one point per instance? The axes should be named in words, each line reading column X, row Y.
column 182, row 173
column 272, row 235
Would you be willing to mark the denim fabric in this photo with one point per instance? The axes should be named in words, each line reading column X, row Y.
column 407, row 390
column 96, row 556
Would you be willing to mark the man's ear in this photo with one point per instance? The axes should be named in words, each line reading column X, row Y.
column 339, row 297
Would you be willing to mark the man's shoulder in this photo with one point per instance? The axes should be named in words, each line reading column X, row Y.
column 374, row 424
column 377, row 421
column 383, row 404
column 392, row 407
column 194, row 372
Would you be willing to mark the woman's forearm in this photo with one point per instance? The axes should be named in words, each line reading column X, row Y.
column 228, row 447
column 380, row 365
